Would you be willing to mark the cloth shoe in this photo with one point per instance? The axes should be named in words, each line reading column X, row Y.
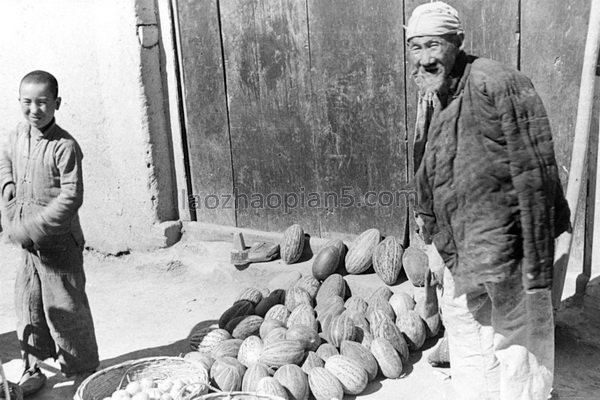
column 32, row 381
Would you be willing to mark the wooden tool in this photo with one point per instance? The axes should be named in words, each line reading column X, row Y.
column 580, row 143
column 258, row 252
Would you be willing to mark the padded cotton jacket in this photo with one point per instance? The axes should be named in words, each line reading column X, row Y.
column 46, row 169
column 488, row 187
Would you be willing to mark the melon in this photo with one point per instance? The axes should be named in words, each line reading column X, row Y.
column 227, row 374
column 212, row 339
column 376, row 316
column 269, row 386
column 305, row 335
column 282, row 352
column 326, row 350
column 334, row 285
column 360, row 322
column 351, row 375
column 251, row 294
column 356, row 303
column 292, row 244
column 268, row 325
column 382, row 292
column 362, row 355
column 387, row 358
column 310, row 284
column 341, row 328
column 340, row 246
column 387, row 260
column 204, row 359
column 324, row 385
column 384, row 308
column 326, row 262
column 360, row 256
column 390, row 331
column 303, row 315
column 296, row 296
column 277, row 296
column 294, row 380
column 401, row 303
column 238, row 309
column 312, row 361
column 331, row 305
column 248, row 326
column 227, row 348
column 250, row 350
column 253, row 375
column 413, row 328
column 197, row 334
column 416, row 265
column 279, row 312
column 275, row 335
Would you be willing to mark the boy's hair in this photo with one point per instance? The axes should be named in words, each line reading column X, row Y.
column 39, row 76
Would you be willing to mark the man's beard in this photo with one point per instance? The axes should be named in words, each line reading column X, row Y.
column 431, row 83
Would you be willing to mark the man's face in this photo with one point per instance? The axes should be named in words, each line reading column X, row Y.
column 432, row 59
column 38, row 103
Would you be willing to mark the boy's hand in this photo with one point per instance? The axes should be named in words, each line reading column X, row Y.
column 18, row 236
column 9, row 192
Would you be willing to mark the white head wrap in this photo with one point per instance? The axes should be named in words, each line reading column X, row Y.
column 433, row 19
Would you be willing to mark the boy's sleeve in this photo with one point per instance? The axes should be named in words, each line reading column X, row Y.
column 56, row 217
column 6, row 170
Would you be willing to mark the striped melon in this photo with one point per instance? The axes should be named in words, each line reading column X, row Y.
column 278, row 311
column 275, row 335
column 390, row 331
column 204, row 359
column 324, row 385
column 212, row 339
column 362, row 355
column 250, row 350
column 356, row 303
column 387, row 358
column 401, row 303
column 413, row 328
column 253, row 375
column 312, row 361
column 310, row 284
column 269, row 386
column 294, row 380
column 268, row 325
column 306, row 335
column 248, row 326
column 296, row 296
column 387, row 260
column 327, row 350
column 251, row 294
column 277, row 354
column 334, row 285
column 360, row 256
column 351, row 375
column 292, row 244
column 341, row 328
column 227, row 348
column 227, row 374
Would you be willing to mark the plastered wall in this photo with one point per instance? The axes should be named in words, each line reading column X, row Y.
column 106, row 57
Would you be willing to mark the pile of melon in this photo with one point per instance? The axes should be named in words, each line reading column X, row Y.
column 313, row 337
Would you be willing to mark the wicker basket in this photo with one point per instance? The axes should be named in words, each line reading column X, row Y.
column 238, row 396
column 103, row 383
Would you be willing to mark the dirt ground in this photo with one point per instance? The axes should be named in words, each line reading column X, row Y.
column 146, row 304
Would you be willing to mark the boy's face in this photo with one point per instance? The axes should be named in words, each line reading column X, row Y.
column 38, row 103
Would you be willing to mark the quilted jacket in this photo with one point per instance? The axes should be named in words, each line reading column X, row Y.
column 487, row 183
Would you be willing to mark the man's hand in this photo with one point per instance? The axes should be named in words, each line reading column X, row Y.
column 9, row 192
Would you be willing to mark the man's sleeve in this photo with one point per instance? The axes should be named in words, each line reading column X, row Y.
column 56, row 217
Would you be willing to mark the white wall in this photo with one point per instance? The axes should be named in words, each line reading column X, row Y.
column 112, row 103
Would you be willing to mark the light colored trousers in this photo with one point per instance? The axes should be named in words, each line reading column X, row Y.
column 501, row 340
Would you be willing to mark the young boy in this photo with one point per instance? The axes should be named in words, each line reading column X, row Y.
column 42, row 190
